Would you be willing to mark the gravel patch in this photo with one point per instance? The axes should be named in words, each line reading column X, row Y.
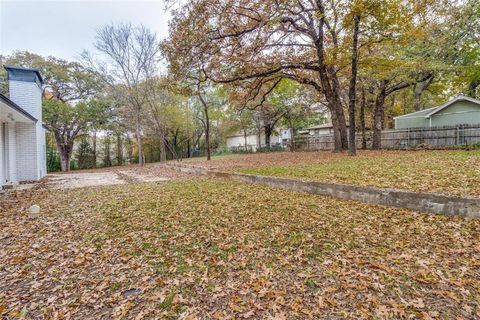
column 81, row 180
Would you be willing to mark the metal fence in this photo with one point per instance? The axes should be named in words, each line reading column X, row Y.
column 435, row 137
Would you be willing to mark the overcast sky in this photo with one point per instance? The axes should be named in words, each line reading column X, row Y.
column 64, row 28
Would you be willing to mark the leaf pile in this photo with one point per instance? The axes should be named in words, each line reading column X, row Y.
column 212, row 249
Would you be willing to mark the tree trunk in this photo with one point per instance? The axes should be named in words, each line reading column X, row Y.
column 245, row 139
column 418, row 89
column 362, row 119
column 352, row 146
column 94, row 149
column 129, row 149
column 259, row 139
column 391, row 123
column 119, row 150
column 138, row 133
column 340, row 134
column 292, row 138
column 472, row 88
column 175, row 141
column 64, row 161
column 337, row 137
column 335, row 107
column 170, row 149
column 163, row 151
column 108, row 159
column 378, row 116
column 342, row 124
column 268, row 134
column 342, row 127
column 83, row 153
column 207, row 133
column 331, row 90
column 65, row 152
column 206, row 124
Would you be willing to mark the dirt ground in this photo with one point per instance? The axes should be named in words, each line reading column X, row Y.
column 107, row 176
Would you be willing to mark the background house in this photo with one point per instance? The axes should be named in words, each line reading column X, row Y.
column 317, row 130
column 460, row 110
column 22, row 136
column 237, row 140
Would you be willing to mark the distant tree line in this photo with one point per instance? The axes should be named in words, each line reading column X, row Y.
column 359, row 56
column 253, row 67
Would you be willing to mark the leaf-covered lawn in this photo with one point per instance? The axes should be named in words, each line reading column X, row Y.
column 450, row 172
column 212, row 249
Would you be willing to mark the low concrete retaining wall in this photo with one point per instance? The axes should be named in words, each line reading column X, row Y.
column 418, row 201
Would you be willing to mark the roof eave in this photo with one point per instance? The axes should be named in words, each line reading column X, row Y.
column 449, row 103
column 16, row 107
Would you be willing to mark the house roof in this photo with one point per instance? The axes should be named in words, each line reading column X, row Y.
column 24, row 74
column 452, row 101
column 321, row 126
column 16, row 107
column 427, row 113
column 240, row 133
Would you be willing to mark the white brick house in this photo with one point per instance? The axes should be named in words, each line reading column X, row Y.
column 22, row 136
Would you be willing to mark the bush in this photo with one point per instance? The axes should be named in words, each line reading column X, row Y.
column 241, row 150
column 73, row 165
column 471, row 146
column 271, row 148
column 221, row 151
column 53, row 159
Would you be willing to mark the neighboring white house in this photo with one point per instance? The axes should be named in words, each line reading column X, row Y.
column 237, row 140
column 22, row 136
column 317, row 130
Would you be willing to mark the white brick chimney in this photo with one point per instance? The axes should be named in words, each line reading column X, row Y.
column 25, row 89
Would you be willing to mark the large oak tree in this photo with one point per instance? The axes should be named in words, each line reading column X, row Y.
column 304, row 40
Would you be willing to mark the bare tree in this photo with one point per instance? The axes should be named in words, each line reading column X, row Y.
column 129, row 59
column 205, row 92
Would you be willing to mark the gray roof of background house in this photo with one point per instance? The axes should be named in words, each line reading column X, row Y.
column 452, row 101
column 427, row 113
column 320, row 126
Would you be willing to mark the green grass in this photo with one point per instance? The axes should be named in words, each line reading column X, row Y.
column 451, row 172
